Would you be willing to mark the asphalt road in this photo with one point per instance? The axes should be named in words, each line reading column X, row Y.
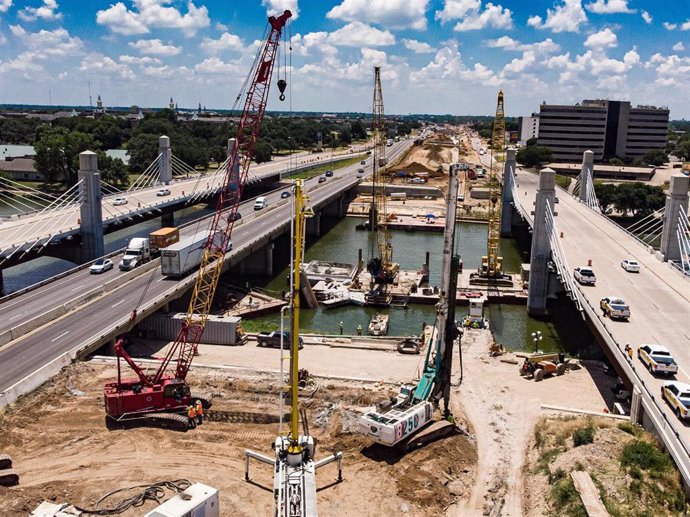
column 27, row 354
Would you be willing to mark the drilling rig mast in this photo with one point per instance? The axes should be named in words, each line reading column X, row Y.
column 492, row 264
column 381, row 266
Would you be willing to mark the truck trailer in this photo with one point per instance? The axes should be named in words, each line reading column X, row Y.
column 185, row 255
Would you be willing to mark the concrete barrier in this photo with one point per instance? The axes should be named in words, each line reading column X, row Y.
column 36, row 322
column 5, row 337
column 34, row 380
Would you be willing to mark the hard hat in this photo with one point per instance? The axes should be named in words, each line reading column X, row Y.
column 198, row 402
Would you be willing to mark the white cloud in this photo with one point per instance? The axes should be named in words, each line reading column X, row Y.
column 394, row 14
column 448, row 65
column 99, row 64
column 357, row 34
column 313, row 43
column 685, row 26
column 3, row 39
column 155, row 47
column 46, row 12
column 602, row 39
column 669, row 26
column 214, row 65
column 609, row 7
column 56, row 43
column 153, row 14
column 226, row 41
column 520, row 65
column 457, row 9
column 564, row 17
column 220, row 26
column 646, row 17
column 24, row 64
column 278, row 7
column 144, row 60
column 418, row 47
column 596, row 63
column 493, row 16
column 5, row 5
column 507, row 43
column 679, row 47
column 671, row 70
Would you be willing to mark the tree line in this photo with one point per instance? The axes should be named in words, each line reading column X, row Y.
column 197, row 143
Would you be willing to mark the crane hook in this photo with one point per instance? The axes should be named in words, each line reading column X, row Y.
column 282, row 84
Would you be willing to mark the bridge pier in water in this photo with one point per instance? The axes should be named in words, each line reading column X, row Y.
column 91, row 211
column 541, row 247
column 335, row 208
column 314, row 225
column 677, row 199
column 506, row 202
column 166, row 160
column 586, row 174
column 260, row 262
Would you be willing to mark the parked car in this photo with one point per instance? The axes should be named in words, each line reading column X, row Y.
column 272, row 339
column 329, row 174
column 657, row 359
column 322, row 179
column 677, row 394
column 631, row 266
column 101, row 265
column 120, row 201
column 285, row 194
column 585, row 275
column 615, row 308
column 163, row 192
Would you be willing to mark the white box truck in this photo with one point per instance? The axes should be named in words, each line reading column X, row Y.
column 198, row 500
column 185, row 255
column 137, row 252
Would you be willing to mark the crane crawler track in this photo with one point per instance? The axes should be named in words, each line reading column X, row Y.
column 5, row 461
column 8, row 477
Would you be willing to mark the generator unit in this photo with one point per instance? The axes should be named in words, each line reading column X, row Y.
column 198, row 500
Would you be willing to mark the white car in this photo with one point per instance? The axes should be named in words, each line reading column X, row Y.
column 163, row 192
column 101, row 265
column 657, row 359
column 631, row 266
column 120, row 201
column 677, row 394
column 585, row 275
column 615, row 308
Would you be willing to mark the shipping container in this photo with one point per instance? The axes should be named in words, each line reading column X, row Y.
column 163, row 238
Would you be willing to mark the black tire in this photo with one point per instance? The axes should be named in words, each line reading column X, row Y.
column 263, row 344
column 678, row 414
column 651, row 369
column 560, row 369
column 538, row 375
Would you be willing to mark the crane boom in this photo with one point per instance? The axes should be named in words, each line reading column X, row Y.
column 128, row 397
column 492, row 265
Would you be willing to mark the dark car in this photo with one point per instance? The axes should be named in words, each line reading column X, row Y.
column 236, row 216
column 322, row 179
column 329, row 174
column 285, row 194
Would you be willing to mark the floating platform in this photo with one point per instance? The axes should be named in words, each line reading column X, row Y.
column 252, row 304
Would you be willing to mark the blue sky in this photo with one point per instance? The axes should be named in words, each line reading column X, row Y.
column 437, row 56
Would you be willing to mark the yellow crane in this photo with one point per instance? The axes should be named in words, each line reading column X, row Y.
column 381, row 265
column 492, row 264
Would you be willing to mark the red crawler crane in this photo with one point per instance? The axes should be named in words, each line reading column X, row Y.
column 164, row 393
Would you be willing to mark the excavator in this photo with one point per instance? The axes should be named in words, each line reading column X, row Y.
column 407, row 420
column 160, row 397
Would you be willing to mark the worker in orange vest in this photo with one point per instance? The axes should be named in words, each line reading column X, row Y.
column 199, row 409
column 191, row 415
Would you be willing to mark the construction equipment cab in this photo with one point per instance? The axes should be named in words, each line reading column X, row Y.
column 260, row 203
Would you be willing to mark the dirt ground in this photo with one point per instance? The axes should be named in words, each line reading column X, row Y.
column 63, row 452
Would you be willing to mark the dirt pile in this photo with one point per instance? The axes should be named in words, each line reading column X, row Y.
column 64, row 452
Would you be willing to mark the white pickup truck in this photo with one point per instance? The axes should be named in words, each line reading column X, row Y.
column 657, row 359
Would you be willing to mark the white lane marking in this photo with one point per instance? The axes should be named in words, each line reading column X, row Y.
column 118, row 303
column 61, row 335
column 17, row 316
column 160, row 279
column 78, row 287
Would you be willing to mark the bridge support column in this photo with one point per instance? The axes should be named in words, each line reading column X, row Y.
column 268, row 270
column 168, row 219
column 541, row 248
column 91, row 212
column 260, row 262
column 586, row 174
column 334, row 208
column 166, row 160
column 314, row 225
column 636, row 406
column 678, row 197
column 506, row 207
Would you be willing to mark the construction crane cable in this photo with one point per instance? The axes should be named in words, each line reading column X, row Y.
column 154, row 492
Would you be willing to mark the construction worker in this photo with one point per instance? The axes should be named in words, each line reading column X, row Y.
column 629, row 351
column 191, row 415
column 359, row 330
column 199, row 409
column 341, row 328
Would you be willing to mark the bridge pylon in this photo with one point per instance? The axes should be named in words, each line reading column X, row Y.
column 586, row 175
column 91, row 211
column 507, row 201
column 166, row 160
column 541, row 246
column 677, row 199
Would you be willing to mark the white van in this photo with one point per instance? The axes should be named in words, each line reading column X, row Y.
column 260, row 203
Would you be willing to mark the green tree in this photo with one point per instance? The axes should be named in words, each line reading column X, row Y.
column 683, row 150
column 358, row 131
column 143, row 149
column 262, row 152
column 533, row 156
column 657, row 157
column 532, row 141
column 606, row 194
column 57, row 153
column 113, row 170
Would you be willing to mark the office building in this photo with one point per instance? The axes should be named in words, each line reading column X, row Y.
column 608, row 128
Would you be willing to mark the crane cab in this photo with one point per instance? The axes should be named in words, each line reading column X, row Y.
column 131, row 397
